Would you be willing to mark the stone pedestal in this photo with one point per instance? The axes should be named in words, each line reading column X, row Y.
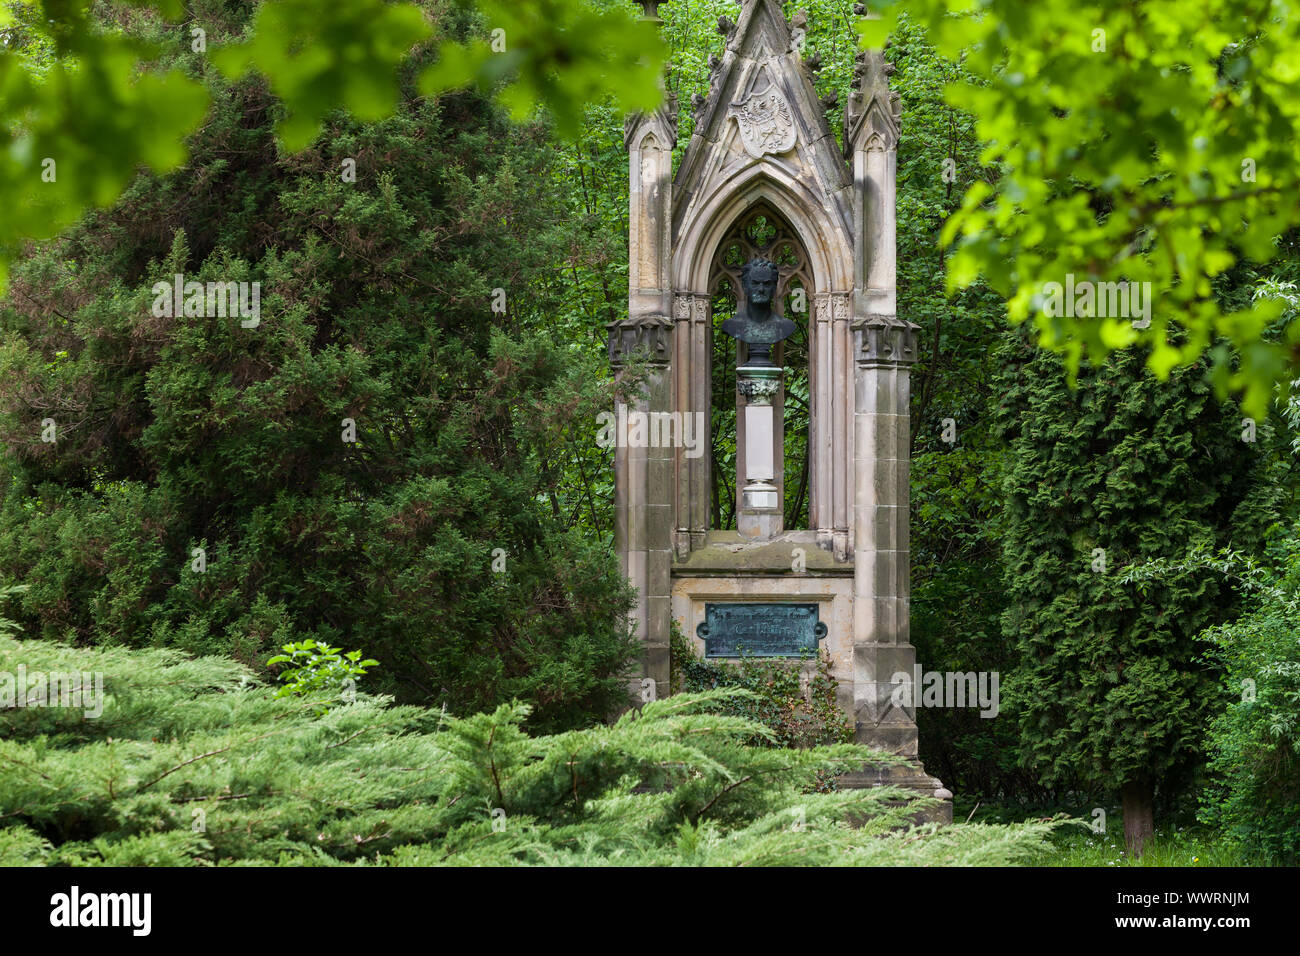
column 760, row 512
column 912, row 778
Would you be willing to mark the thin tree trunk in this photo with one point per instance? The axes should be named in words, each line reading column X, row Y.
column 793, row 521
column 1139, row 815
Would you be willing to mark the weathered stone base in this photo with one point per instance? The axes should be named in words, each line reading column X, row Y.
column 911, row 777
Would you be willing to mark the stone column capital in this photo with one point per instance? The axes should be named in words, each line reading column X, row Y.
column 691, row 306
column 884, row 339
column 759, row 386
column 650, row 335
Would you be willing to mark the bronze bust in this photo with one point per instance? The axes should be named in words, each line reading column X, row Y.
column 754, row 323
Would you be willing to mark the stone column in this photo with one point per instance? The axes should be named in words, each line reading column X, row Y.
column 644, row 471
column 692, row 351
column 882, row 645
column 884, row 348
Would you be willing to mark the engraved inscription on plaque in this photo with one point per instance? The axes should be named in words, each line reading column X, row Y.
column 760, row 630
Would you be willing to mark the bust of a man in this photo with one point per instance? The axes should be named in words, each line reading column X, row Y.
column 754, row 324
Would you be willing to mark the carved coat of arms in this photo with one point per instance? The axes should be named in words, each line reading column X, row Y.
column 766, row 125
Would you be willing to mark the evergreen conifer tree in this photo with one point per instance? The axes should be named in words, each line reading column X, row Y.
column 372, row 460
column 1111, row 688
column 195, row 762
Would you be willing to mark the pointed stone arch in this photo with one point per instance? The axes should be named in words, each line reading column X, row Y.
column 828, row 246
column 759, row 230
column 785, row 247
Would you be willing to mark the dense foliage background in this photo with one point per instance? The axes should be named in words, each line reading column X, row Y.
column 178, row 433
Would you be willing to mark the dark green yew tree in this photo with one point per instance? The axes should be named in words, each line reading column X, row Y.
column 1112, row 688
column 373, row 463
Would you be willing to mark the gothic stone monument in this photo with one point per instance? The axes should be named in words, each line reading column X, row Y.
column 762, row 205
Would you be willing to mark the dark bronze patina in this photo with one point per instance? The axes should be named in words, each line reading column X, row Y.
column 761, row 630
column 754, row 323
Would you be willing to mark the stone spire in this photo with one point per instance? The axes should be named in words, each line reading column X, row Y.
column 873, row 109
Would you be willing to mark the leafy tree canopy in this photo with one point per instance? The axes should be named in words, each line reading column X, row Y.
column 1139, row 142
column 84, row 105
column 1152, row 142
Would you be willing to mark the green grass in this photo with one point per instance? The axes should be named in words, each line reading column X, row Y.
column 1175, row 844
column 1172, row 846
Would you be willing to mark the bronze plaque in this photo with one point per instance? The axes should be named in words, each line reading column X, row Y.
column 761, row 630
